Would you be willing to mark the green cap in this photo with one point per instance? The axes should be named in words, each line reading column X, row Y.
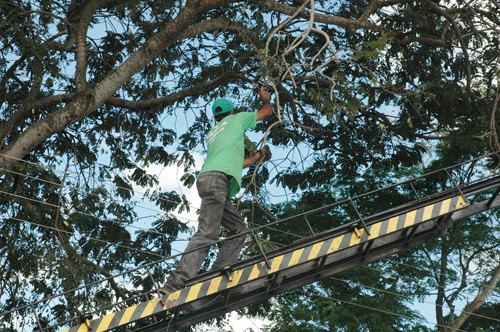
column 222, row 106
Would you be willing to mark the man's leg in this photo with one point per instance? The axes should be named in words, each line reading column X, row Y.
column 230, row 249
column 212, row 188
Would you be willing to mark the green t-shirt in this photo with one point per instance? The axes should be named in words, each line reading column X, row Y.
column 226, row 147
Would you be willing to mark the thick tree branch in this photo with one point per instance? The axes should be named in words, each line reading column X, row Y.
column 81, row 43
column 87, row 102
column 154, row 105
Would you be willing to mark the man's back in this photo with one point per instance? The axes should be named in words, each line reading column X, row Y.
column 225, row 147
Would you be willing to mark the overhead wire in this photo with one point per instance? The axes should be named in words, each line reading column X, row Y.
column 86, row 191
column 90, row 237
column 274, row 222
column 426, row 270
column 110, row 220
column 374, row 309
column 401, row 276
column 87, row 214
column 409, row 297
column 281, row 220
column 97, row 195
column 118, row 221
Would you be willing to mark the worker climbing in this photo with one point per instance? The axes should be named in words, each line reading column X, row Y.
column 218, row 181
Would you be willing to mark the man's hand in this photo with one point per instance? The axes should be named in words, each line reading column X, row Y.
column 266, row 153
column 267, row 109
column 264, row 95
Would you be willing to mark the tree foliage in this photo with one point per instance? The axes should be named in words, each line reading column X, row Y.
column 94, row 93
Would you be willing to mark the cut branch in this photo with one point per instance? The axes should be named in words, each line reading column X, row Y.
column 352, row 24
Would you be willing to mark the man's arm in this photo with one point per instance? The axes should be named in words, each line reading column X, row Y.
column 263, row 113
column 252, row 159
column 266, row 109
column 264, row 154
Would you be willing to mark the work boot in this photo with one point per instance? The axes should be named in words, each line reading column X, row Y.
column 165, row 293
column 165, row 290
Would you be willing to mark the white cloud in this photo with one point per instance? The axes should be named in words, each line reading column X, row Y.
column 170, row 180
column 237, row 323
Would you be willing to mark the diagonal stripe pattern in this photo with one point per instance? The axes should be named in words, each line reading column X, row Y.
column 260, row 270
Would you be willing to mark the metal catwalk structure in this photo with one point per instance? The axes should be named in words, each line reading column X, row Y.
column 312, row 258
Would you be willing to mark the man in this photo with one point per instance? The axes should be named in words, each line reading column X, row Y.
column 218, row 181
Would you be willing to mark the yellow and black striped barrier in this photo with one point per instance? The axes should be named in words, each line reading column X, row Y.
column 276, row 264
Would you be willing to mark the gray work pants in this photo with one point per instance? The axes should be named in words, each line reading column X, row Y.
column 216, row 209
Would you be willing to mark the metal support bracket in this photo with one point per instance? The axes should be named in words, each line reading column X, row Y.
column 260, row 248
column 410, row 232
column 360, row 217
column 275, row 281
column 321, row 264
column 495, row 194
column 368, row 246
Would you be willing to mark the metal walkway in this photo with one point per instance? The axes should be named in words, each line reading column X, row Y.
column 309, row 260
column 313, row 258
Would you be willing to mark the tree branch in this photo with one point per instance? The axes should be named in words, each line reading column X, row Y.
column 441, row 287
column 154, row 105
column 494, row 143
column 482, row 294
column 352, row 24
column 21, row 113
column 9, row 73
column 212, row 25
column 87, row 102
column 85, row 15
column 439, row 10
column 372, row 6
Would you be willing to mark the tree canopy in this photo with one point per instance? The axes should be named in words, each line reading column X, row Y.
column 94, row 93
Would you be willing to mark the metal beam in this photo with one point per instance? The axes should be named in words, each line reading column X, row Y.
column 306, row 261
column 347, row 259
column 341, row 245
